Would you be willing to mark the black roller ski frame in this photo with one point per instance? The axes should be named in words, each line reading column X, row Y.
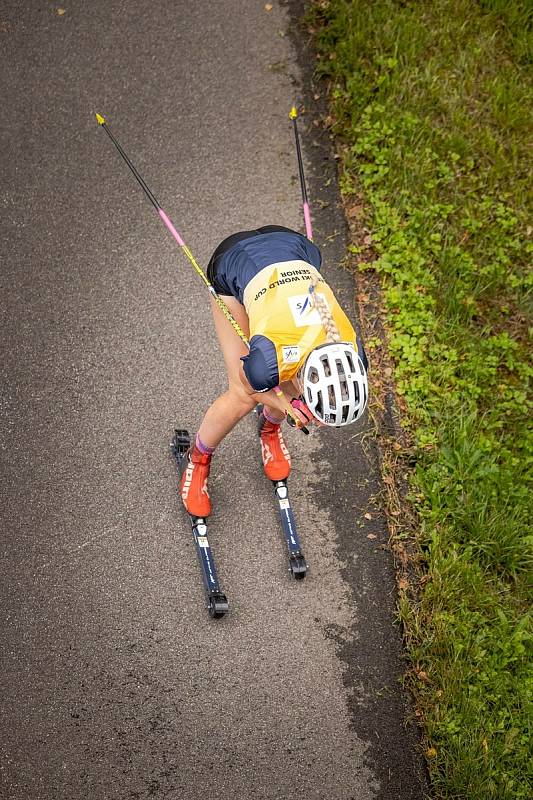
column 217, row 602
column 297, row 562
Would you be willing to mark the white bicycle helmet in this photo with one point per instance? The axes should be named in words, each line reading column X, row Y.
column 335, row 383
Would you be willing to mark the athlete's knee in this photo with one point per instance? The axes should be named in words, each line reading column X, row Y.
column 241, row 400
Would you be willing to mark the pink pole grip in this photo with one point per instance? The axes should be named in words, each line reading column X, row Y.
column 171, row 228
column 307, row 218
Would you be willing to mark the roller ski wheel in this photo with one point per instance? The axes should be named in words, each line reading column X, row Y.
column 217, row 605
column 297, row 566
column 217, row 602
column 180, row 443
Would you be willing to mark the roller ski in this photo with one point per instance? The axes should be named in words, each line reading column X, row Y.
column 277, row 466
column 193, row 469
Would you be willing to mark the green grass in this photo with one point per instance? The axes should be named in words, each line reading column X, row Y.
column 431, row 102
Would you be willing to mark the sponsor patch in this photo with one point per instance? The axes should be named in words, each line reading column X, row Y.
column 291, row 354
column 302, row 310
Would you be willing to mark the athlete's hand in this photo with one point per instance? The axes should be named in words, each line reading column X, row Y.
column 301, row 411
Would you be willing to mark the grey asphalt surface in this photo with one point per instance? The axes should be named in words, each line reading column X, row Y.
column 115, row 683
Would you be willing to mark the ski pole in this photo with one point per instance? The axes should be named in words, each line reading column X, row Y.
column 293, row 114
column 305, row 203
column 220, row 303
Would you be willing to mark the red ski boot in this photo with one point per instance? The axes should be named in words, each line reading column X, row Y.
column 194, row 471
column 276, row 458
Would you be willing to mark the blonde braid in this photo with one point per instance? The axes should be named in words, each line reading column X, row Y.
column 326, row 318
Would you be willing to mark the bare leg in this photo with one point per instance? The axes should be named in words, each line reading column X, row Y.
column 235, row 403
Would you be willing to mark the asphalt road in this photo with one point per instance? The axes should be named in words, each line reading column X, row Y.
column 115, row 683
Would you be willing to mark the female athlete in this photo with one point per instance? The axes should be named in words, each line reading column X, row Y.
column 300, row 339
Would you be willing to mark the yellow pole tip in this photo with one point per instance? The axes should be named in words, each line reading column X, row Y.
column 293, row 113
column 100, row 120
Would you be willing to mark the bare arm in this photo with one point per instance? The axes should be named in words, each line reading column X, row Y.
column 271, row 399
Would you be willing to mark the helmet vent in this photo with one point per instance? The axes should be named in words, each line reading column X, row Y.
column 313, row 375
column 324, row 360
column 342, row 379
column 350, row 361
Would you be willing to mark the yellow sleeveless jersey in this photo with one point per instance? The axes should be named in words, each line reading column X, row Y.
column 280, row 310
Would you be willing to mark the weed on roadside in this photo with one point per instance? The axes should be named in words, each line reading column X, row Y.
column 431, row 102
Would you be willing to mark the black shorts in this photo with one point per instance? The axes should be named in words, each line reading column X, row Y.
column 228, row 243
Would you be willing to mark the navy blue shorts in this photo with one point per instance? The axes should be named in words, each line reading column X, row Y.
column 241, row 256
column 228, row 243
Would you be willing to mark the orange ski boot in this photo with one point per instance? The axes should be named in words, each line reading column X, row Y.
column 194, row 471
column 276, row 458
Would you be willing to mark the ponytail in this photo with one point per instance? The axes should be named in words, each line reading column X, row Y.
column 326, row 317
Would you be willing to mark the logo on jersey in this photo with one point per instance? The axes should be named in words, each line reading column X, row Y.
column 302, row 310
column 291, row 354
